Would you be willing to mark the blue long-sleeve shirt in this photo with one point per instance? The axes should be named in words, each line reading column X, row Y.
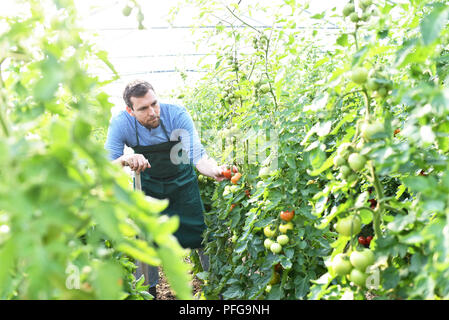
column 177, row 122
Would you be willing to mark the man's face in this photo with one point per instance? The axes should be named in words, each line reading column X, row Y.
column 146, row 109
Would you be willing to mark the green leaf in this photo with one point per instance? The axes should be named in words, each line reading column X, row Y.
column 107, row 281
column 342, row 40
column 176, row 270
column 141, row 251
column 433, row 23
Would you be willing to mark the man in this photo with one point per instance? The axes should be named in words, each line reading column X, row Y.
column 166, row 147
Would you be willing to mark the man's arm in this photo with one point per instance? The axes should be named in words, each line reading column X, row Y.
column 205, row 165
column 137, row 162
column 115, row 144
column 208, row 167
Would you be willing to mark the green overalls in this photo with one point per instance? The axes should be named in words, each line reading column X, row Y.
column 176, row 182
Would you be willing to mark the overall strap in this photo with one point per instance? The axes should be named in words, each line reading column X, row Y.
column 165, row 131
column 137, row 136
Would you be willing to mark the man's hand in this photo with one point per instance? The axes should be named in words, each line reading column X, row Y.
column 137, row 162
column 209, row 167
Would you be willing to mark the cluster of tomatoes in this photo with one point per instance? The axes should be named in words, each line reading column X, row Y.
column 234, row 175
column 275, row 246
column 349, row 161
column 350, row 11
column 353, row 265
column 365, row 241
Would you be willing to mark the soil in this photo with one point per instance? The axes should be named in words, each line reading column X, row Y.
column 164, row 292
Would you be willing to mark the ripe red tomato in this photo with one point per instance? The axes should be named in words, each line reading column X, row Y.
column 248, row 193
column 373, row 203
column 362, row 240
column 227, row 174
column 368, row 240
column 236, row 178
column 287, row 215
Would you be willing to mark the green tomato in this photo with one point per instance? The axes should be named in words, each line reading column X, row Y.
column 369, row 130
column 354, row 17
column 359, row 75
column 365, row 4
column 268, row 232
column 358, row 277
column 264, row 172
column 264, row 88
column 365, row 17
column 283, row 228
column 344, row 150
column 127, row 11
column 345, row 171
column 276, row 248
column 349, row 226
column 267, row 243
column 339, row 161
column 233, row 189
column 282, row 239
column 362, row 259
column 226, row 191
column 341, row 265
column 382, row 92
column 372, row 84
column 351, row 178
column 356, row 161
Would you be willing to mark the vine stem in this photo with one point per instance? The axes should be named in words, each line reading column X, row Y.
column 367, row 103
column 3, row 120
column 380, row 205
column 238, row 18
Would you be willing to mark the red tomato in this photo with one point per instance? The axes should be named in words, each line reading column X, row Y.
column 362, row 240
column 236, row 178
column 227, row 174
column 287, row 215
column 373, row 203
column 368, row 240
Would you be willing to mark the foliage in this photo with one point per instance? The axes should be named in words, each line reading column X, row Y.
column 71, row 227
column 378, row 91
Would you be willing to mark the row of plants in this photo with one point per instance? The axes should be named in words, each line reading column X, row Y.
column 350, row 139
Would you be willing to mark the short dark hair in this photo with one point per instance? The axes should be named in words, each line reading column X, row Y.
column 137, row 89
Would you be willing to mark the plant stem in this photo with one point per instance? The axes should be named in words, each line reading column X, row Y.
column 380, row 206
column 367, row 104
column 238, row 18
column 3, row 120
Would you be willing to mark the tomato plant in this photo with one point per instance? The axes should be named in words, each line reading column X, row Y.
column 359, row 143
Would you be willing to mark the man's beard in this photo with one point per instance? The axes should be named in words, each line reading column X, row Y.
column 153, row 124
